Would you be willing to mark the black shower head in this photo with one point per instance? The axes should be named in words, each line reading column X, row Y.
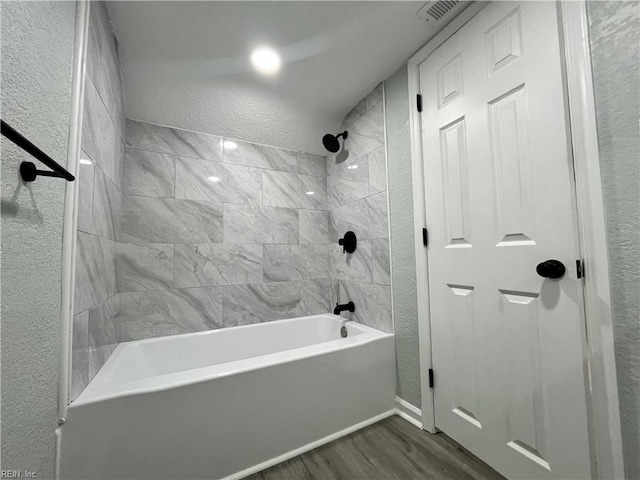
column 331, row 143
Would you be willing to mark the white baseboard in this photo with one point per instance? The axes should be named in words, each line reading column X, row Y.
column 310, row 446
column 410, row 413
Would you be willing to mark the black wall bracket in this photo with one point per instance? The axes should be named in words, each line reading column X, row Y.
column 28, row 170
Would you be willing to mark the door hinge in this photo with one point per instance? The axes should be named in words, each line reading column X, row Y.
column 431, row 378
column 419, row 102
column 580, row 268
column 425, row 237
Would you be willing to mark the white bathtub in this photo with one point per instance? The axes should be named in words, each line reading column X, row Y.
column 227, row 403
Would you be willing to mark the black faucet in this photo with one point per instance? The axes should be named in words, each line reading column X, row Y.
column 341, row 308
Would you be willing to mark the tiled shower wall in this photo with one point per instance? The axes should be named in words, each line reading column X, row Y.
column 181, row 231
column 96, row 302
column 357, row 201
column 218, row 233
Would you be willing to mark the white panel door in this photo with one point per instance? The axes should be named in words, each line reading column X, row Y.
column 507, row 343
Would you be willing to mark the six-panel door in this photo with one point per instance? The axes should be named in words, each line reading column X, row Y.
column 507, row 343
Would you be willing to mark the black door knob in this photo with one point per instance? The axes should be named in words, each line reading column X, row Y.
column 551, row 269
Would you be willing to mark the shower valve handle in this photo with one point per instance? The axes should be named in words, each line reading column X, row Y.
column 349, row 242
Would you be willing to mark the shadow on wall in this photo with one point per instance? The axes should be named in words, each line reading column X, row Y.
column 11, row 207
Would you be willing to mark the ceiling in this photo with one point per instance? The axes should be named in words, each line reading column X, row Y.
column 186, row 64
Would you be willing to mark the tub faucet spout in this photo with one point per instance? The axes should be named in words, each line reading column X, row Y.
column 346, row 306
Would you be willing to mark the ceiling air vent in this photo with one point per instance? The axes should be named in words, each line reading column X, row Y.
column 435, row 11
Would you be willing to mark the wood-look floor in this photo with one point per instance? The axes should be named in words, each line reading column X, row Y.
column 390, row 449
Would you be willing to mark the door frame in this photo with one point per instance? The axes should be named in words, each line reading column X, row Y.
column 604, row 413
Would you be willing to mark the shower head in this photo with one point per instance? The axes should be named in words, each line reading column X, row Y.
column 331, row 143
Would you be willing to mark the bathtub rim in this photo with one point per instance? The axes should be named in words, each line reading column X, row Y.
column 237, row 367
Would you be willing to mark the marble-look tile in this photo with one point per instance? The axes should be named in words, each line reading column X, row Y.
column 184, row 143
column 216, row 181
column 295, row 262
column 375, row 97
column 282, row 189
column 169, row 220
column 157, row 313
column 103, row 65
column 261, row 156
column 348, row 184
column 355, row 113
column 94, row 43
column 372, row 301
column 334, row 292
column 338, row 161
column 207, row 264
column 145, row 266
column 261, row 302
column 79, row 355
column 148, row 174
column 85, row 193
column 95, row 279
column 366, row 134
column 256, row 224
column 107, row 206
column 314, row 227
column 356, row 266
column 377, row 171
column 366, row 217
column 103, row 333
column 381, row 261
column 100, row 140
column 315, row 297
column 309, row 164
column 119, row 166
column 103, row 328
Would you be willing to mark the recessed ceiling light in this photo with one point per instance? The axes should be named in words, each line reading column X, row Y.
column 229, row 145
column 85, row 161
column 352, row 167
column 213, row 179
column 265, row 60
column 310, row 193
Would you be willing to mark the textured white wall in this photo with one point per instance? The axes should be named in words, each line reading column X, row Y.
column 186, row 64
column 242, row 110
column 614, row 31
column 403, row 256
column 37, row 51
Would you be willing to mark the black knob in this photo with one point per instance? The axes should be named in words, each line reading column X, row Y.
column 349, row 242
column 551, row 269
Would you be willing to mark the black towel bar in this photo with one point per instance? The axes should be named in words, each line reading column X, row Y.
column 28, row 170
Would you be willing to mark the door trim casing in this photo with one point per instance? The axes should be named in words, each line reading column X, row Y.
column 600, row 358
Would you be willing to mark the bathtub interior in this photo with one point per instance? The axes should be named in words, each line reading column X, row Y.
column 165, row 362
